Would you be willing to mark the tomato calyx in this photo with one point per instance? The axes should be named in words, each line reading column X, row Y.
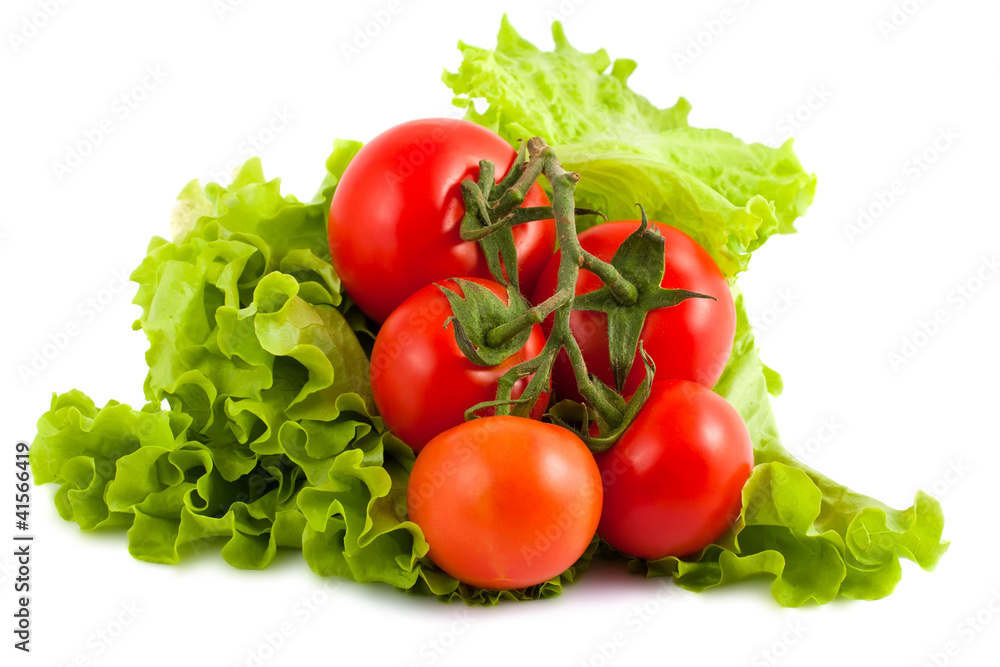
column 492, row 209
column 480, row 312
column 490, row 213
column 485, row 329
column 641, row 262
column 579, row 417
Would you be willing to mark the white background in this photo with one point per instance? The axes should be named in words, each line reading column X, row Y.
column 883, row 99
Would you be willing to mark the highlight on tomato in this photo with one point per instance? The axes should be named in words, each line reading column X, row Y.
column 395, row 215
column 505, row 502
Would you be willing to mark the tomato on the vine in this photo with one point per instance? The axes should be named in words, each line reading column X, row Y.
column 395, row 216
column 421, row 381
column 689, row 341
column 505, row 502
column 673, row 482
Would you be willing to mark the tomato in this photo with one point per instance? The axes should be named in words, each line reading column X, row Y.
column 505, row 502
column 673, row 482
column 689, row 341
column 421, row 380
column 395, row 216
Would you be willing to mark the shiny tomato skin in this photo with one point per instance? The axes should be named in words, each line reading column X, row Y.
column 395, row 215
column 421, row 381
column 673, row 482
column 505, row 502
column 689, row 341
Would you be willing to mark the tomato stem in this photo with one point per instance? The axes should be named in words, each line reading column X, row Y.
column 624, row 291
column 491, row 210
column 535, row 315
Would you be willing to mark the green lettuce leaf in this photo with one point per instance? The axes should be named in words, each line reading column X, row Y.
column 728, row 195
column 264, row 376
column 816, row 538
column 270, row 439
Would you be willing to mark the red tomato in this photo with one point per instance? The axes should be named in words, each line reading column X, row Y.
column 422, row 382
column 395, row 216
column 673, row 482
column 505, row 502
column 689, row 341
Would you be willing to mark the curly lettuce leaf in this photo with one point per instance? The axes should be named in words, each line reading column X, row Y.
column 816, row 538
column 250, row 350
column 270, row 439
column 728, row 195
column 336, row 491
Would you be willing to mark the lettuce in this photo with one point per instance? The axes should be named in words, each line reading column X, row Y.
column 259, row 430
column 729, row 196
column 815, row 538
column 270, row 439
column 269, row 400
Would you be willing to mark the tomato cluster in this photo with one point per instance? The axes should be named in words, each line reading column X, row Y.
column 508, row 502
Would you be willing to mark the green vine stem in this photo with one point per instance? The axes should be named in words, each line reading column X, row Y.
column 487, row 330
column 493, row 208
